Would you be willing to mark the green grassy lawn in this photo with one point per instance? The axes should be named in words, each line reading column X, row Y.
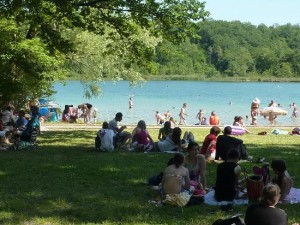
column 66, row 181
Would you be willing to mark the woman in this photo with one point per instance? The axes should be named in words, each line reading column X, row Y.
column 176, row 182
column 165, row 131
column 176, row 177
column 171, row 143
column 265, row 212
column 141, row 135
column 196, row 164
column 282, row 177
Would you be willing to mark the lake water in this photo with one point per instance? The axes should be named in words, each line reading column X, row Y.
column 161, row 96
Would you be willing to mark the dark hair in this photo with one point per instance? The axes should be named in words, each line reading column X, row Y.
column 21, row 113
column 227, row 130
column 215, row 130
column 236, row 118
column 278, row 165
column 191, row 145
column 105, row 125
column 176, row 135
column 178, row 159
column 270, row 195
column 167, row 125
column 141, row 124
column 119, row 115
column 233, row 153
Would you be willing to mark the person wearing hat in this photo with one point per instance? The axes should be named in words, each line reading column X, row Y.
column 254, row 110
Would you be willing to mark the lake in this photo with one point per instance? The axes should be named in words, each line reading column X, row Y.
column 228, row 99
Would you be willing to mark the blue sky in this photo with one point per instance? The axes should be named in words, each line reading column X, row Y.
column 256, row 12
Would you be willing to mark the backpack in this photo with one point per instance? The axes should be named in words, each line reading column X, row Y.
column 235, row 220
column 264, row 171
column 155, row 180
column 97, row 142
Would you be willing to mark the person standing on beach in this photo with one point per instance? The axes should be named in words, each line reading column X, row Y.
column 295, row 113
column 130, row 103
column 254, row 110
column 182, row 114
column 200, row 116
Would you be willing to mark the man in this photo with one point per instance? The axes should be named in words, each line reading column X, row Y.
column 182, row 114
column 226, row 142
column 120, row 136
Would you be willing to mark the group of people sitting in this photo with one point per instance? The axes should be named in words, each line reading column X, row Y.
column 16, row 128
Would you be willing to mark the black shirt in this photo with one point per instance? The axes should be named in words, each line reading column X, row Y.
column 226, row 181
column 263, row 215
column 224, row 144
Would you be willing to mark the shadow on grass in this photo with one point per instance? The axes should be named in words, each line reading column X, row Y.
column 66, row 181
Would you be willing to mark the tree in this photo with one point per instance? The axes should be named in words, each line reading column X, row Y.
column 40, row 49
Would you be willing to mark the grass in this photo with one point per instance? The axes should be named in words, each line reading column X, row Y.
column 66, row 181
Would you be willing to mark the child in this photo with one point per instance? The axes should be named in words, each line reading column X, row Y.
column 107, row 138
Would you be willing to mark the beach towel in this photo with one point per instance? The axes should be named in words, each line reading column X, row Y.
column 180, row 199
column 277, row 131
column 209, row 199
column 293, row 197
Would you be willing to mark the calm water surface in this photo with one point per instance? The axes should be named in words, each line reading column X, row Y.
column 170, row 95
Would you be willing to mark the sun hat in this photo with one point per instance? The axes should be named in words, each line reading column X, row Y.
column 256, row 100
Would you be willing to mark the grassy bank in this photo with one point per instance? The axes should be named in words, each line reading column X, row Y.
column 66, row 181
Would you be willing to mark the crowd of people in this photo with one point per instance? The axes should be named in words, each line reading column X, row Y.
column 214, row 119
column 19, row 127
column 184, row 179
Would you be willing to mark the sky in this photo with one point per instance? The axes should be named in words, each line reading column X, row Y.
column 268, row 12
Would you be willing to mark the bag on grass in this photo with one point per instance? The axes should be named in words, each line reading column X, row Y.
column 235, row 220
column 264, row 171
column 155, row 180
column 97, row 142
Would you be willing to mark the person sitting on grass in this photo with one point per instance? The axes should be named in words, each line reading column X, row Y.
column 265, row 212
column 171, row 143
column 226, row 142
column 282, row 177
column 107, row 138
column 196, row 164
column 228, row 174
column 165, row 131
column 121, row 137
column 209, row 144
column 142, row 137
column 21, row 121
column 176, row 182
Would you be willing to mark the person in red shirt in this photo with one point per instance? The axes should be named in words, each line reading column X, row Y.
column 209, row 145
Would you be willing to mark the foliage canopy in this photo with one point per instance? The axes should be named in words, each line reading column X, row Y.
column 46, row 41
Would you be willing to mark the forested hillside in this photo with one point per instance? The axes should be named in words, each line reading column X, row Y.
column 232, row 49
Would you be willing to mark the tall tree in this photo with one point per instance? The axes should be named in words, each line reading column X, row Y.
column 39, row 32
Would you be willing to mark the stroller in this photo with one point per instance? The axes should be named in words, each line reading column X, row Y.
column 28, row 138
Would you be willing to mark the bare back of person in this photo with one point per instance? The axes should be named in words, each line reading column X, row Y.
column 175, row 179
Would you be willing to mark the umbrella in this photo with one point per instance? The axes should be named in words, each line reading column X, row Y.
column 275, row 111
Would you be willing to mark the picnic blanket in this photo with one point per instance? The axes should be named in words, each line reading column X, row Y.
column 209, row 199
column 293, row 197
